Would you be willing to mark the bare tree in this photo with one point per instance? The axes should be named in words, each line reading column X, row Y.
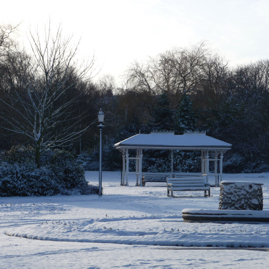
column 42, row 95
column 177, row 71
column 7, row 42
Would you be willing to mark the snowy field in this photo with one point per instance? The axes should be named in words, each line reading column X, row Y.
column 135, row 227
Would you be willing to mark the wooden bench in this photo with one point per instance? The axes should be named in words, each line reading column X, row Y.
column 187, row 184
column 154, row 177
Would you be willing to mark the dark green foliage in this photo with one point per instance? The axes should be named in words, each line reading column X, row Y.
column 27, row 180
column 59, row 174
column 18, row 154
column 162, row 115
column 156, row 161
column 160, row 161
column 84, row 159
column 70, row 175
column 235, row 164
column 187, row 161
column 185, row 117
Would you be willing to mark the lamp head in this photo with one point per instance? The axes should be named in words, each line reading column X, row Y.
column 101, row 116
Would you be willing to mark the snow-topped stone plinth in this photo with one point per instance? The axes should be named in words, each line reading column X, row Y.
column 241, row 196
column 205, row 215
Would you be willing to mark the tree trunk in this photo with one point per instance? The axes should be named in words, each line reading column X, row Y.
column 37, row 154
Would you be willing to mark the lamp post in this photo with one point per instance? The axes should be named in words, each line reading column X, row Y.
column 101, row 116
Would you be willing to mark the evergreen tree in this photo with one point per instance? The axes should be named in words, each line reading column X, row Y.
column 185, row 117
column 162, row 115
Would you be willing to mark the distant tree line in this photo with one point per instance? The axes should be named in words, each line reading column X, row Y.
column 48, row 101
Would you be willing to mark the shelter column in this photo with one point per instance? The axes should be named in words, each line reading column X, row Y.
column 172, row 162
column 216, row 156
column 207, row 165
column 202, row 162
column 127, row 167
column 123, row 168
column 221, row 166
column 140, row 165
column 137, row 166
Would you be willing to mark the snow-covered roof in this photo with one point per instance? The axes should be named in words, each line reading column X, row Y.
column 168, row 140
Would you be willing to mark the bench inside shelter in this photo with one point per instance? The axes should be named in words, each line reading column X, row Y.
column 154, row 177
column 161, row 177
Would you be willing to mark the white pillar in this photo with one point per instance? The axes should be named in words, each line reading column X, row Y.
column 216, row 168
column 172, row 162
column 137, row 166
column 221, row 166
column 127, row 167
column 140, row 165
column 123, row 168
column 202, row 162
column 207, row 165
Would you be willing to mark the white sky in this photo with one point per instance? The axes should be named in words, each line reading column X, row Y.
column 119, row 32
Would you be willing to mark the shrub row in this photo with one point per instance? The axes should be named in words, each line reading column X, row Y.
column 59, row 174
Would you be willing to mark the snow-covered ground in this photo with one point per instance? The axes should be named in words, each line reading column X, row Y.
column 128, row 227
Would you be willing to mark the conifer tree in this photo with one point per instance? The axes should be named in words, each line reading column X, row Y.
column 185, row 118
column 163, row 115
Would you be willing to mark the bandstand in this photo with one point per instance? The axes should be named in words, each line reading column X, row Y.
column 211, row 149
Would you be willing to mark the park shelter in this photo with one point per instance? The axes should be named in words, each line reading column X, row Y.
column 212, row 151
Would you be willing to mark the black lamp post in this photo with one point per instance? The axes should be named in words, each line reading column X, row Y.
column 101, row 117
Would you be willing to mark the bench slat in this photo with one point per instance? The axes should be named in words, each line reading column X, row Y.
column 186, row 182
column 188, row 185
column 185, row 179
